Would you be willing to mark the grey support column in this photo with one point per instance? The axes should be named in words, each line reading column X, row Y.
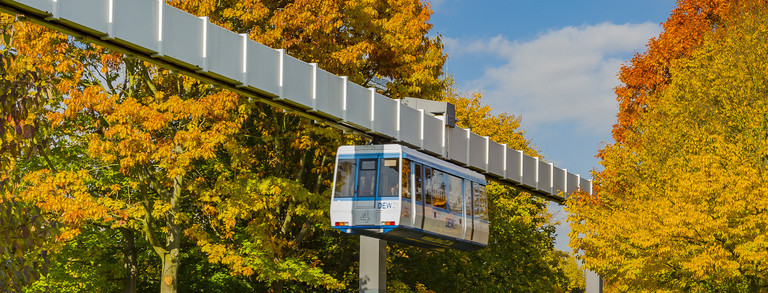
column 594, row 282
column 373, row 265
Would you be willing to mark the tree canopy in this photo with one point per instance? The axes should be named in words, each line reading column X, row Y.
column 24, row 93
column 648, row 73
column 120, row 175
column 681, row 204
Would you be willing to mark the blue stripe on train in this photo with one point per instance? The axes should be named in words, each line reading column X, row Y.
column 389, row 228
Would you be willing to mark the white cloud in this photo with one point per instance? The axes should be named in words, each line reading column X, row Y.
column 564, row 75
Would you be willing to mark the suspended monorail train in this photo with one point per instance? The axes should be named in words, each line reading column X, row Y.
column 394, row 193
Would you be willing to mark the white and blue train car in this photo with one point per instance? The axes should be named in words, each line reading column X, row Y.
column 398, row 194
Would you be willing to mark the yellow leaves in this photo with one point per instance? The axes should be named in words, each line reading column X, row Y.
column 690, row 198
column 160, row 208
column 648, row 72
column 66, row 194
column 360, row 38
column 226, row 255
column 161, row 127
column 110, row 62
column 248, row 12
column 134, row 131
column 268, row 212
column 114, row 189
column 67, row 233
column 41, row 49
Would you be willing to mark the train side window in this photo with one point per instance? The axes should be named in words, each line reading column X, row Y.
column 468, row 198
column 419, row 184
column 438, row 189
column 484, row 203
column 454, row 193
column 481, row 202
column 406, row 179
column 389, row 177
column 366, row 185
column 345, row 179
column 427, row 185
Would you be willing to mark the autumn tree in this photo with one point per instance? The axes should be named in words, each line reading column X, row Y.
column 25, row 91
column 167, row 157
column 157, row 168
column 683, row 205
column 648, row 73
column 363, row 40
column 573, row 272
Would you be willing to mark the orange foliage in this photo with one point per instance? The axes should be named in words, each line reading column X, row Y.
column 648, row 73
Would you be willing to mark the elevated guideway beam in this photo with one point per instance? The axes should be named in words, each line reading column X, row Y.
column 173, row 39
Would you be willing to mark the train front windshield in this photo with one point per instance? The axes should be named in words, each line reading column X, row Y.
column 358, row 177
column 345, row 178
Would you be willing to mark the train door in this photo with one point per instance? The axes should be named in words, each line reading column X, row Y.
column 427, row 210
column 418, row 207
column 408, row 204
column 365, row 193
column 480, row 204
column 471, row 211
column 467, row 210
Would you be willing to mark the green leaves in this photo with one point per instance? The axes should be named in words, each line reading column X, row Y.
column 23, row 229
column 24, row 232
column 233, row 193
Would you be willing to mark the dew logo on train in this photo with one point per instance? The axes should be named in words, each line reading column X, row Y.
column 394, row 193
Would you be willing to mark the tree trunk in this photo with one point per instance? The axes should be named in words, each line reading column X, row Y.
column 170, row 256
column 130, row 263
column 169, row 282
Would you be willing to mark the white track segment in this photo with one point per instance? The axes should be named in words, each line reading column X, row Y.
column 174, row 39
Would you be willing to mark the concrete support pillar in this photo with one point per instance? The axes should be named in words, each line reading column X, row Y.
column 373, row 265
column 594, row 282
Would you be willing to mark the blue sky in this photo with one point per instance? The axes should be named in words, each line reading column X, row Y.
column 552, row 62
